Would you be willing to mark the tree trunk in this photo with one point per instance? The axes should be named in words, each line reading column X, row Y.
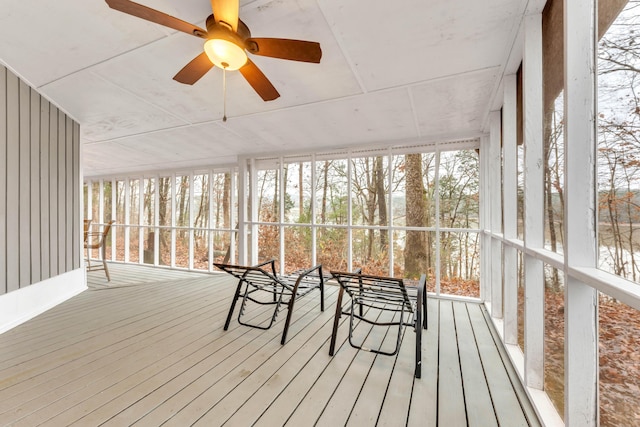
column 163, row 193
column 182, row 214
column 382, row 201
column 202, row 217
column 147, row 201
column 323, row 210
column 415, row 254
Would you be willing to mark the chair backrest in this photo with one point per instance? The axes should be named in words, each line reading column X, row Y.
column 87, row 223
column 252, row 274
column 101, row 237
column 107, row 228
column 375, row 291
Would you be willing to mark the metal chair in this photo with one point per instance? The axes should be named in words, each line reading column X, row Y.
column 261, row 284
column 382, row 294
column 98, row 240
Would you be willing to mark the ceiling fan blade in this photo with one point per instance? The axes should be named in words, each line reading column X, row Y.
column 294, row 50
column 156, row 16
column 195, row 69
column 258, row 81
column 226, row 11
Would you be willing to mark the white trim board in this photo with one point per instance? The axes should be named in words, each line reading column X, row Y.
column 23, row 304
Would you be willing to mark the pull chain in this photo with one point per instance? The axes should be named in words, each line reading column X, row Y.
column 224, row 94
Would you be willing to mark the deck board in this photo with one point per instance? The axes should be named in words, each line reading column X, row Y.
column 148, row 348
column 451, row 410
column 378, row 391
column 506, row 404
column 423, row 410
column 480, row 411
column 339, row 407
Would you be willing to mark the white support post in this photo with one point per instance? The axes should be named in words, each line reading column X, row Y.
column 173, row 220
column 281, row 227
column 253, row 179
column 349, row 213
column 127, row 211
column 581, row 300
column 510, row 208
column 101, row 217
column 90, row 210
column 156, row 221
column 232, row 218
column 485, row 238
column 314, row 254
column 191, row 211
column 140, row 220
column 243, row 227
column 495, row 207
column 114, row 216
column 90, row 200
column 390, row 210
column 533, row 202
column 210, row 251
column 437, row 218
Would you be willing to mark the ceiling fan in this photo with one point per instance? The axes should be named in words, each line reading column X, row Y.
column 227, row 41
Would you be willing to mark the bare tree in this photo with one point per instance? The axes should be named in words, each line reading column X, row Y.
column 416, row 251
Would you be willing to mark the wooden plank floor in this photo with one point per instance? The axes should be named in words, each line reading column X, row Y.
column 148, row 349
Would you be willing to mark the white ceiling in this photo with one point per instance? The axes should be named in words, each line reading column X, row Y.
column 391, row 72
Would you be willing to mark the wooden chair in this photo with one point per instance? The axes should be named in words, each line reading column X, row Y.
column 379, row 294
column 98, row 240
column 87, row 224
column 261, row 285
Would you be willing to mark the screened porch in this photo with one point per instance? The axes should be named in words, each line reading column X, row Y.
column 492, row 145
column 500, row 219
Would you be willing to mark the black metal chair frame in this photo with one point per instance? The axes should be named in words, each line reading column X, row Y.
column 382, row 294
column 254, row 281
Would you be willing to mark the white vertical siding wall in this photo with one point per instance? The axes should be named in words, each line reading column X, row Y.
column 39, row 187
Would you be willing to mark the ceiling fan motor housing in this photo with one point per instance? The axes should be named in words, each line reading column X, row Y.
column 213, row 28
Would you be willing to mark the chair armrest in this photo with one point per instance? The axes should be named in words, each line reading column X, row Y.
column 422, row 285
column 93, row 235
column 421, row 303
column 308, row 271
column 315, row 275
column 273, row 265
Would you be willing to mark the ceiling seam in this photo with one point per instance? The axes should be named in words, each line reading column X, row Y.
column 343, row 50
column 414, row 113
column 88, row 67
column 133, row 94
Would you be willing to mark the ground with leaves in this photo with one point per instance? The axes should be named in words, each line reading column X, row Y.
column 619, row 340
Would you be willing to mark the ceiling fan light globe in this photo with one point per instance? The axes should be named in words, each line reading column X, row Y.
column 225, row 54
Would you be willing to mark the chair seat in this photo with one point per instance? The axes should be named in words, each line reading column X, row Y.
column 261, row 285
column 370, row 295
